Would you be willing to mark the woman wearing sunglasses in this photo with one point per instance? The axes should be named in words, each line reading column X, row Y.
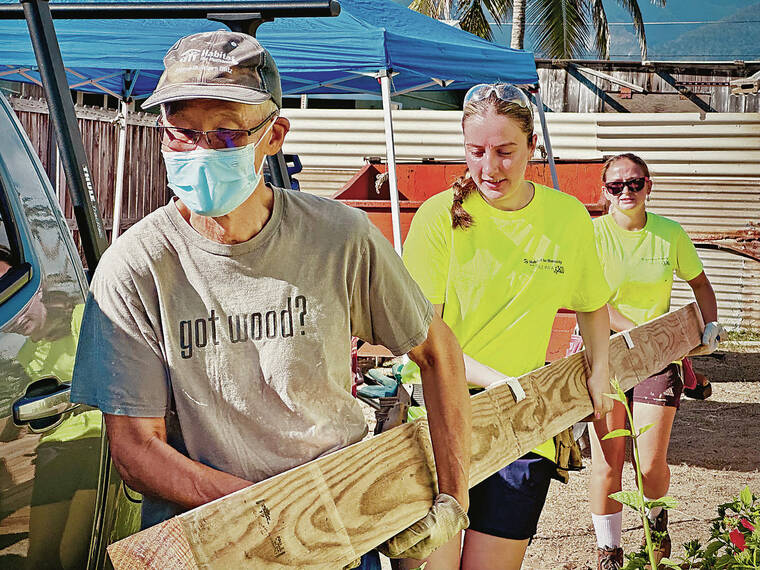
column 498, row 255
column 640, row 251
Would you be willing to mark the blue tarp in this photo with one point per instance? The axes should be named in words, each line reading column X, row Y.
column 314, row 55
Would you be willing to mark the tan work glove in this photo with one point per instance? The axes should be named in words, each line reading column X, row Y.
column 444, row 520
column 567, row 454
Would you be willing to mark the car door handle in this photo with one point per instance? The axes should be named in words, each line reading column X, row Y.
column 30, row 408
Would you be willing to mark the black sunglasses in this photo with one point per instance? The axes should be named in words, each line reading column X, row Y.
column 633, row 184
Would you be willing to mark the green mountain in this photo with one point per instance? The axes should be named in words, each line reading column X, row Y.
column 734, row 37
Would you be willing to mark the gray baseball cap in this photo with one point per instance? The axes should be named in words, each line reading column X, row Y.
column 225, row 65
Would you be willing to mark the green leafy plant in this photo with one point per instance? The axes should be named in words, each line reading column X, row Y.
column 734, row 539
column 635, row 499
column 735, row 534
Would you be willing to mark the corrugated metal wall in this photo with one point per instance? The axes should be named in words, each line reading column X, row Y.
column 707, row 177
column 332, row 144
column 706, row 170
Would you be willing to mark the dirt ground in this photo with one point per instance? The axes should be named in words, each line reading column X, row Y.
column 714, row 452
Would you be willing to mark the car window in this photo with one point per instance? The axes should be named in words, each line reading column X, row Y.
column 14, row 269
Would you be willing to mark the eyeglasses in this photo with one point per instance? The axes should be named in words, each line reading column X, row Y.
column 504, row 91
column 633, row 184
column 179, row 139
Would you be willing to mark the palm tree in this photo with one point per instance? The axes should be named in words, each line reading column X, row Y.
column 562, row 30
column 518, row 24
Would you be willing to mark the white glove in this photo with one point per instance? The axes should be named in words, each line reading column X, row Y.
column 711, row 335
column 442, row 523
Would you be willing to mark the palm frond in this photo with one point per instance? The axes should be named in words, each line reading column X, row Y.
column 499, row 9
column 432, row 8
column 632, row 7
column 473, row 19
column 562, row 30
column 601, row 29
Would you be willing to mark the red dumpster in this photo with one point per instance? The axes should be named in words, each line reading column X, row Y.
column 562, row 329
column 369, row 189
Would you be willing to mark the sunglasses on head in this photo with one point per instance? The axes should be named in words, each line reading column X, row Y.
column 504, row 91
column 633, row 184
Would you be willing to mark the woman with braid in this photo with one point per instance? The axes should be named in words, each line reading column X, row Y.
column 498, row 255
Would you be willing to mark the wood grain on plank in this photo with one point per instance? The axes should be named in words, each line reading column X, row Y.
column 327, row 510
column 164, row 545
column 326, row 513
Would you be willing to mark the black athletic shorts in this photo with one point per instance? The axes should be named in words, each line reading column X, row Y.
column 508, row 504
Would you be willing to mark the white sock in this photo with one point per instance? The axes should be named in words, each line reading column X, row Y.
column 652, row 514
column 608, row 529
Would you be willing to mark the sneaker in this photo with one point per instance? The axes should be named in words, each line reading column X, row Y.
column 699, row 392
column 660, row 537
column 610, row 558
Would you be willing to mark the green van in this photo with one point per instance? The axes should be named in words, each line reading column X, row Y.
column 60, row 501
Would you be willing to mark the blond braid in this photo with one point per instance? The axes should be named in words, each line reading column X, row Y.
column 463, row 187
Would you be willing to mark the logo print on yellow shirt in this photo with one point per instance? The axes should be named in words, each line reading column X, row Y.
column 656, row 260
column 545, row 264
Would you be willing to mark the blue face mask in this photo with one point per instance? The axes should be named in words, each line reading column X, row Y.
column 214, row 182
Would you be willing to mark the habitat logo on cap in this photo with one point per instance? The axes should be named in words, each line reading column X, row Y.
column 224, row 65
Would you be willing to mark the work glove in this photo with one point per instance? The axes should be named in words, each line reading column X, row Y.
column 442, row 523
column 711, row 336
column 567, row 454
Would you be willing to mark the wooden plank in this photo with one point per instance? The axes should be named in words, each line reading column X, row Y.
column 163, row 546
column 327, row 512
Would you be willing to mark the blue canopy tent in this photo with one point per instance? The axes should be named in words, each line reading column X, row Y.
column 373, row 45
column 314, row 55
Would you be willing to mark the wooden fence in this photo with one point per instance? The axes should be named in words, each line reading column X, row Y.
column 144, row 177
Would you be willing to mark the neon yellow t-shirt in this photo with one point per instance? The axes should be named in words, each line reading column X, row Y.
column 502, row 280
column 639, row 265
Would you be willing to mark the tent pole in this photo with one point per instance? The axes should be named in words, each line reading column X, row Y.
column 120, row 166
column 390, row 150
column 547, row 141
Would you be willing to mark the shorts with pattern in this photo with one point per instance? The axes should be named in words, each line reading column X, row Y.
column 661, row 389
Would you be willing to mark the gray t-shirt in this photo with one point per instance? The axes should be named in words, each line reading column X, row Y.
column 249, row 343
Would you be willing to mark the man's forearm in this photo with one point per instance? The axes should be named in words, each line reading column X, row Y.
column 448, row 405
column 450, row 421
column 151, row 466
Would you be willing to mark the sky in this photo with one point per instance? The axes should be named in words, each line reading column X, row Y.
column 683, row 30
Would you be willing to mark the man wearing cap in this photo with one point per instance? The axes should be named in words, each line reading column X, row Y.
column 216, row 338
